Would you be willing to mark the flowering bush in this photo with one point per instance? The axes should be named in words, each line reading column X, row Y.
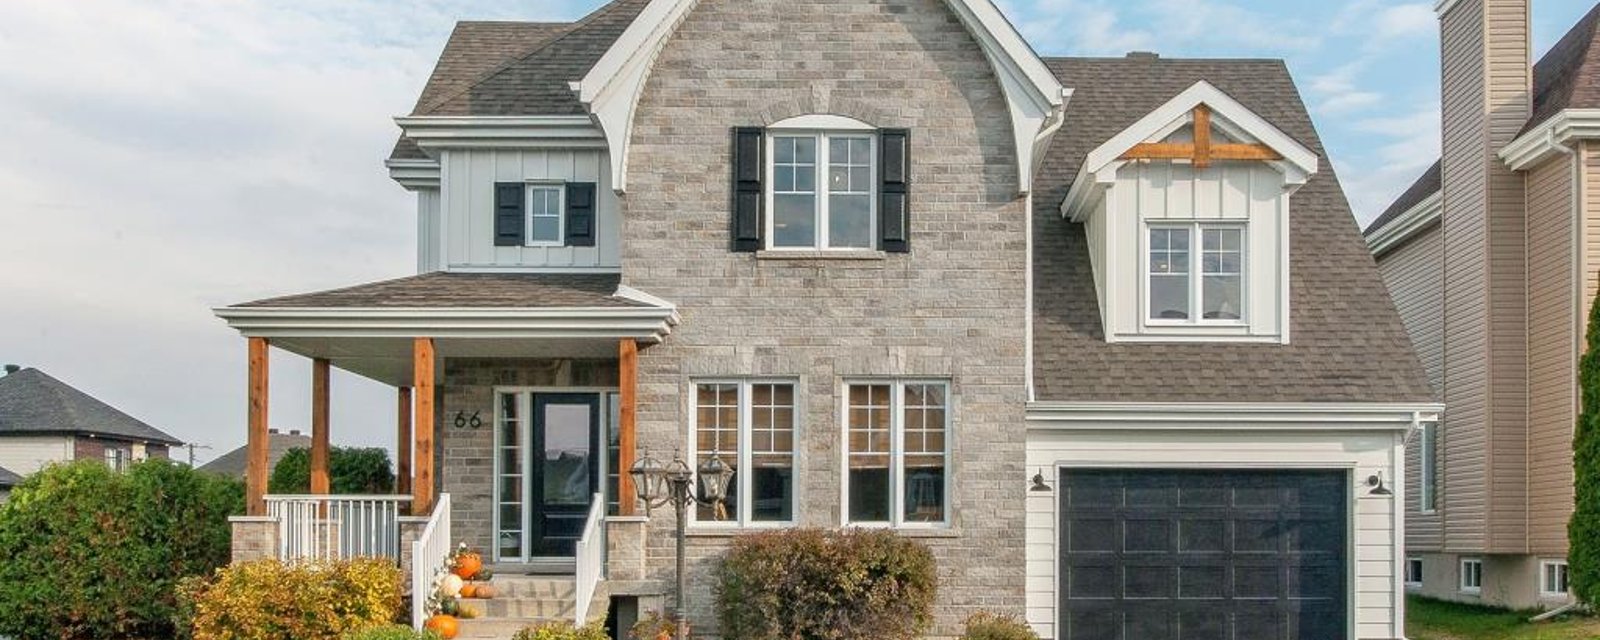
column 563, row 631
column 992, row 626
column 392, row 632
column 270, row 600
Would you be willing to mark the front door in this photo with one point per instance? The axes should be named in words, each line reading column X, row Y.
column 549, row 472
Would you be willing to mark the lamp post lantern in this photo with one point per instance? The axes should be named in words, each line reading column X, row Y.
column 672, row 483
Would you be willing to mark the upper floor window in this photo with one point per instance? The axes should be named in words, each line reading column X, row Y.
column 822, row 190
column 751, row 426
column 545, row 215
column 1175, row 294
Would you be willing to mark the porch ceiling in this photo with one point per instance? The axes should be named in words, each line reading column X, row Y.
column 389, row 360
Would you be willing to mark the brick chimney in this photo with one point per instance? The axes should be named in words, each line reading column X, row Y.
column 1486, row 99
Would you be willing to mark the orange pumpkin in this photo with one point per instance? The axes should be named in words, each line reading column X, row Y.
column 468, row 565
column 484, row 592
column 469, row 590
column 446, row 626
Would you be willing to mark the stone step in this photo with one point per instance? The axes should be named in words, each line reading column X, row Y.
column 534, row 587
column 498, row 607
column 497, row 628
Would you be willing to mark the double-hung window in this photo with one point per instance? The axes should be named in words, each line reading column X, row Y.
column 897, row 454
column 1427, row 452
column 751, row 426
column 823, row 191
column 1195, row 273
column 545, row 215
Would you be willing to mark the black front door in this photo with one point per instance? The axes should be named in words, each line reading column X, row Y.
column 1203, row 555
column 566, row 470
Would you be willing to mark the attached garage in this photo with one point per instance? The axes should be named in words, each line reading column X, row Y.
column 1164, row 554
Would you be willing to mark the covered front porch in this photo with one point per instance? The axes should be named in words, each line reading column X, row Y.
column 515, row 399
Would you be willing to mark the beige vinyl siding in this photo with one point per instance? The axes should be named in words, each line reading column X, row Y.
column 1590, row 197
column 1509, row 79
column 1412, row 273
column 23, row 455
column 1463, row 439
column 1552, row 360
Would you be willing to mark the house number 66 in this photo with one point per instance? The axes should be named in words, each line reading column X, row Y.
column 462, row 421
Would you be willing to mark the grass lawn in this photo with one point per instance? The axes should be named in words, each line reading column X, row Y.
column 1435, row 620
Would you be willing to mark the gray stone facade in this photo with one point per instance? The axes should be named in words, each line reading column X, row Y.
column 954, row 308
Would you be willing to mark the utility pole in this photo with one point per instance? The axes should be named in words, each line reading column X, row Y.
column 191, row 447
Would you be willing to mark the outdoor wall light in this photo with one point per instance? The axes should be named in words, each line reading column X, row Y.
column 1039, row 484
column 1376, row 482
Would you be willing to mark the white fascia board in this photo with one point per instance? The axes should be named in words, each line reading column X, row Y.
column 414, row 173
column 1223, row 106
column 434, row 132
column 651, row 324
column 611, row 89
column 1086, row 191
column 1207, row 416
column 1444, row 6
column 1540, row 143
column 1407, row 224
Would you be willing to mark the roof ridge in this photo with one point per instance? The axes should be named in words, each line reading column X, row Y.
column 501, row 68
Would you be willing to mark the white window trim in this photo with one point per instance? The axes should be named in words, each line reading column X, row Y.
column 1461, row 579
column 896, row 453
column 524, row 400
column 1544, row 567
column 529, row 189
column 1427, row 471
column 1414, row 584
column 1196, row 277
column 820, row 241
column 744, row 510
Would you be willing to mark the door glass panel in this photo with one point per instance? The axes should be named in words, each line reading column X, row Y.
column 510, row 437
column 567, row 454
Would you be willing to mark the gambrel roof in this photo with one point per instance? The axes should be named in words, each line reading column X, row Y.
column 33, row 403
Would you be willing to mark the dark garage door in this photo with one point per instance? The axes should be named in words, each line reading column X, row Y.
column 1203, row 555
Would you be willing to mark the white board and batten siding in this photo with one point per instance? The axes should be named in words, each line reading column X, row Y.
column 461, row 223
column 1250, row 194
column 1376, row 604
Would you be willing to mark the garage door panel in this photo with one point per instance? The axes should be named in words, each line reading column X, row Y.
column 1157, row 555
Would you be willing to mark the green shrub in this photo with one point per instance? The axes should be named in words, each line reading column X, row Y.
column 651, row 626
column 392, row 632
column 810, row 584
column 1583, row 529
column 351, row 471
column 94, row 554
column 992, row 626
column 270, row 600
column 563, row 631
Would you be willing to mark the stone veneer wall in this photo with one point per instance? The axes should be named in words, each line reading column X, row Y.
column 466, row 462
column 954, row 308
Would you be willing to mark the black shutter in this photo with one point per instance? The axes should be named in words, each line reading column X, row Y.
column 894, row 194
column 580, row 214
column 747, row 197
column 509, row 220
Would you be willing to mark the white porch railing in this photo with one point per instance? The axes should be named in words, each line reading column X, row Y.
column 429, row 559
column 333, row 527
column 591, row 558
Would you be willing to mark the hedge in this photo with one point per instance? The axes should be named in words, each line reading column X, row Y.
column 351, row 471
column 271, row 600
column 91, row 553
column 1583, row 529
column 810, row 584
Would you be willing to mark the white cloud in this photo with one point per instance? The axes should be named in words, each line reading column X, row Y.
column 1336, row 92
column 1410, row 145
column 1083, row 27
column 1406, row 20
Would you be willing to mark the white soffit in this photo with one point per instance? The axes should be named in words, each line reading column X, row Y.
column 1541, row 142
column 1034, row 97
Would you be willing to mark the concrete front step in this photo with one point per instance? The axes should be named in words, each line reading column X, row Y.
column 497, row 628
column 534, row 587
column 517, row 607
column 521, row 601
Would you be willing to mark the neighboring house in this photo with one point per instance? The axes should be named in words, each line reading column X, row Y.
column 234, row 463
column 1492, row 258
column 43, row 420
column 7, row 481
column 890, row 265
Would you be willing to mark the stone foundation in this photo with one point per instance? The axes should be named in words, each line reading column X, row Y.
column 254, row 538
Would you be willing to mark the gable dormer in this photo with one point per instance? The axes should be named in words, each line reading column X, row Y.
column 1187, row 218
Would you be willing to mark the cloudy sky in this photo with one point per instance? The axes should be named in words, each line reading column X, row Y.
column 166, row 156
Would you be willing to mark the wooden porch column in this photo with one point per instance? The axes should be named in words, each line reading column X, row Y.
column 319, row 426
column 422, row 379
column 255, row 476
column 627, row 434
column 403, row 444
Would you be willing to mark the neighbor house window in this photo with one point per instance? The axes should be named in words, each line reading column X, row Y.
column 1427, row 452
column 545, row 215
column 116, row 458
column 1196, row 273
column 822, row 194
column 751, row 425
column 1414, row 572
column 897, row 453
column 1471, row 575
column 1553, row 578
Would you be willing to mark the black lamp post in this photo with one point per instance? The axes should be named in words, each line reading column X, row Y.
column 659, row 485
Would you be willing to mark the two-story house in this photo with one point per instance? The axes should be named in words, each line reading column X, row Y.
column 1492, row 260
column 1101, row 333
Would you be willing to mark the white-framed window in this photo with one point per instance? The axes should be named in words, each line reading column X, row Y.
column 823, row 192
column 1471, row 575
column 897, row 453
column 116, row 459
column 1195, row 273
column 1553, row 578
column 546, row 215
column 1414, row 573
column 751, row 424
column 1428, row 472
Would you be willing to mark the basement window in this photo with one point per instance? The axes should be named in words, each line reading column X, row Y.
column 1553, row 579
column 1471, row 575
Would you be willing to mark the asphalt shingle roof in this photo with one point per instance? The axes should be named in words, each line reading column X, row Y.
column 1426, row 185
column 480, row 290
column 233, row 463
column 32, row 402
column 8, row 479
column 1346, row 340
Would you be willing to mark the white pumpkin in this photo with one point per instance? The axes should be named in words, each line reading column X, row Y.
column 450, row 586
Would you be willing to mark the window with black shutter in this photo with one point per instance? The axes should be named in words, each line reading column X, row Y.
column 894, row 192
column 510, row 226
column 580, row 214
column 748, row 168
